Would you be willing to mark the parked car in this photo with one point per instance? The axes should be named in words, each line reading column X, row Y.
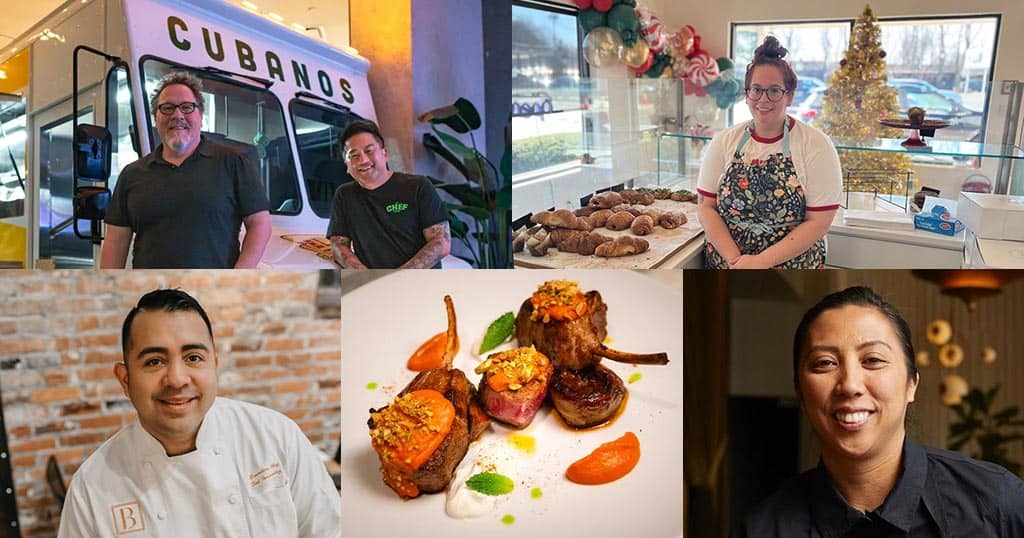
column 804, row 86
column 923, row 86
column 912, row 92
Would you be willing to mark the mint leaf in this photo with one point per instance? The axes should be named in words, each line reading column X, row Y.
column 498, row 331
column 490, row 484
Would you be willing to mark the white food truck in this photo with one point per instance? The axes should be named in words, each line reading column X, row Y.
column 280, row 96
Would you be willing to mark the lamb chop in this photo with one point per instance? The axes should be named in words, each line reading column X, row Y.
column 514, row 385
column 570, row 327
column 423, row 435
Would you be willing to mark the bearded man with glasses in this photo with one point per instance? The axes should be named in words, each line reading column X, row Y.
column 185, row 203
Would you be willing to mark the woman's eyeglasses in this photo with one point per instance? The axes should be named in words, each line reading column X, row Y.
column 774, row 94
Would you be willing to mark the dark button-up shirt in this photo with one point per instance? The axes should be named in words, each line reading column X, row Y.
column 938, row 494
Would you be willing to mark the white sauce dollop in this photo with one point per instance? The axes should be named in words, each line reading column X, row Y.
column 464, row 503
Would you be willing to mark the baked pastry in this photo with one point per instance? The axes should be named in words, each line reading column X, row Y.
column 939, row 332
column 619, row 221
column 654, row 213
column 921, row 359
column 600, row 217
column 567, row 240
column 562, row 218
column 622, row 246
column 642, row 225
column 637, row 197
column 605, row 200
column 953, row 389
column 951, row 355
column 584, row 211
column 672, row 219
column 539, row 247
column 590, row 243
column 519, row 239
column 683, row 195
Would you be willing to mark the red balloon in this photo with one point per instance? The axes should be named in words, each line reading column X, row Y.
column 584, row 4
column 603, row 5
column 644, row 67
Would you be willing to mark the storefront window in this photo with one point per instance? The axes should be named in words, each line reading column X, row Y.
column 943, row 65
column 249, row 118
column 547, row 112
column 12, row 157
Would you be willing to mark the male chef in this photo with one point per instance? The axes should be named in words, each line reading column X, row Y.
column 195, row 464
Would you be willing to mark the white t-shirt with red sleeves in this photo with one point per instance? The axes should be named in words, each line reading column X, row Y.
column 814, row 158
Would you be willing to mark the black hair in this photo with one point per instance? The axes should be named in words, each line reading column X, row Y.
column 360, row 126
column 168, row 301
column 854, row 296
column 770, row 52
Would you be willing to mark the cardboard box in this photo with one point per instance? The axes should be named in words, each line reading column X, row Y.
column 993, row 216
column 939, row 216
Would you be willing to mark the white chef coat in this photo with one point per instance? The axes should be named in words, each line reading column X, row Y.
column 253, row 474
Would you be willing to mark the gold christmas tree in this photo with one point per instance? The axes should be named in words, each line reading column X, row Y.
column 857, row 97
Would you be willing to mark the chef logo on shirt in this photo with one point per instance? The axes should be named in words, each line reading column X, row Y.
column 397, row 207
column 127, row 518
column 264, row 474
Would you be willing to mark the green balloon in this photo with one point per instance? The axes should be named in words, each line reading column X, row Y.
column 590, row 19
column 724, row 64
column 622, row 18
column 626, row 2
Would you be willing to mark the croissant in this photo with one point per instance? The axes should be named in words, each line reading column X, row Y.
column 672, row 219
column 619, row 221
column 642, row 225
column 584, row 211
column 562, row 218
column 590, row 242
column 622, row 246
column 605, row 200
column 567, row 240
column 654, row 213
column 683, row 195
column 600, row 217
column 519, row 239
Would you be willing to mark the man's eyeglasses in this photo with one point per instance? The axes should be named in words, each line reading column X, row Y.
column 774, row 94
column 168, row 108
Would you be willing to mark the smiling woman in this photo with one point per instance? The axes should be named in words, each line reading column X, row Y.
column 855, row 377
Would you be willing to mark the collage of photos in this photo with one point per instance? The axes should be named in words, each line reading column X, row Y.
column 735, row 271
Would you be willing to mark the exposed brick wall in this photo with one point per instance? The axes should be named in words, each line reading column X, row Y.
column 60, row 337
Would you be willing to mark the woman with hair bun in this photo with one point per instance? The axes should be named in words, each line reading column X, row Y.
column 769, row 188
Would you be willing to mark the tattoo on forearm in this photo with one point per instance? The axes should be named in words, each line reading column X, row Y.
column 438, row 239
column 341, row 247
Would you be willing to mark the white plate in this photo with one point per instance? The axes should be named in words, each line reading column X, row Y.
column 384, row 321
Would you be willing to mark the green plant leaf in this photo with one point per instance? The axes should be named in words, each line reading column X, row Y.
column 478, row 213
column 976, row 399
column 490, row 483
column 455, row 145
column 498, row 331
column 456, row 225
column 432, row 143
column 464, row 193
column 1004, row 415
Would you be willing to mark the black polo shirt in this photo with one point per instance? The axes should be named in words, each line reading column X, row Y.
column 386, row 224
column 938, row 494
column 187, row 216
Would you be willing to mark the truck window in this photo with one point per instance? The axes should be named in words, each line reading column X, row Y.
column 317, row 130
column 248, row 118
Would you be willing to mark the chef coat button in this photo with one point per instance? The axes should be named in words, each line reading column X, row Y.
column 233, row 499
column 148, row 464
column 161, row 516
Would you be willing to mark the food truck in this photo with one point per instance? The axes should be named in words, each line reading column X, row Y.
column 280, row 96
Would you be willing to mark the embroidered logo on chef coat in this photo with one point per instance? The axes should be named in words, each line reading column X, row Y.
column 127, row 518
column 264, row 474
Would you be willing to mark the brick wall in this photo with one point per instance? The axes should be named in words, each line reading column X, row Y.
column 60, row 337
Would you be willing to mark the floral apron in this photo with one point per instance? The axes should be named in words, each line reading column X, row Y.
column 761, row 203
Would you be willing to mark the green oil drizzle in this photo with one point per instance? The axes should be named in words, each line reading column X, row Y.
column 508, row 519
column 536, row 493
column 635, row 377
column 372, row 385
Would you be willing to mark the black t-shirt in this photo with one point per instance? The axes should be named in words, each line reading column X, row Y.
column 938, row 493
column 386, row 224
column 187, row 216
